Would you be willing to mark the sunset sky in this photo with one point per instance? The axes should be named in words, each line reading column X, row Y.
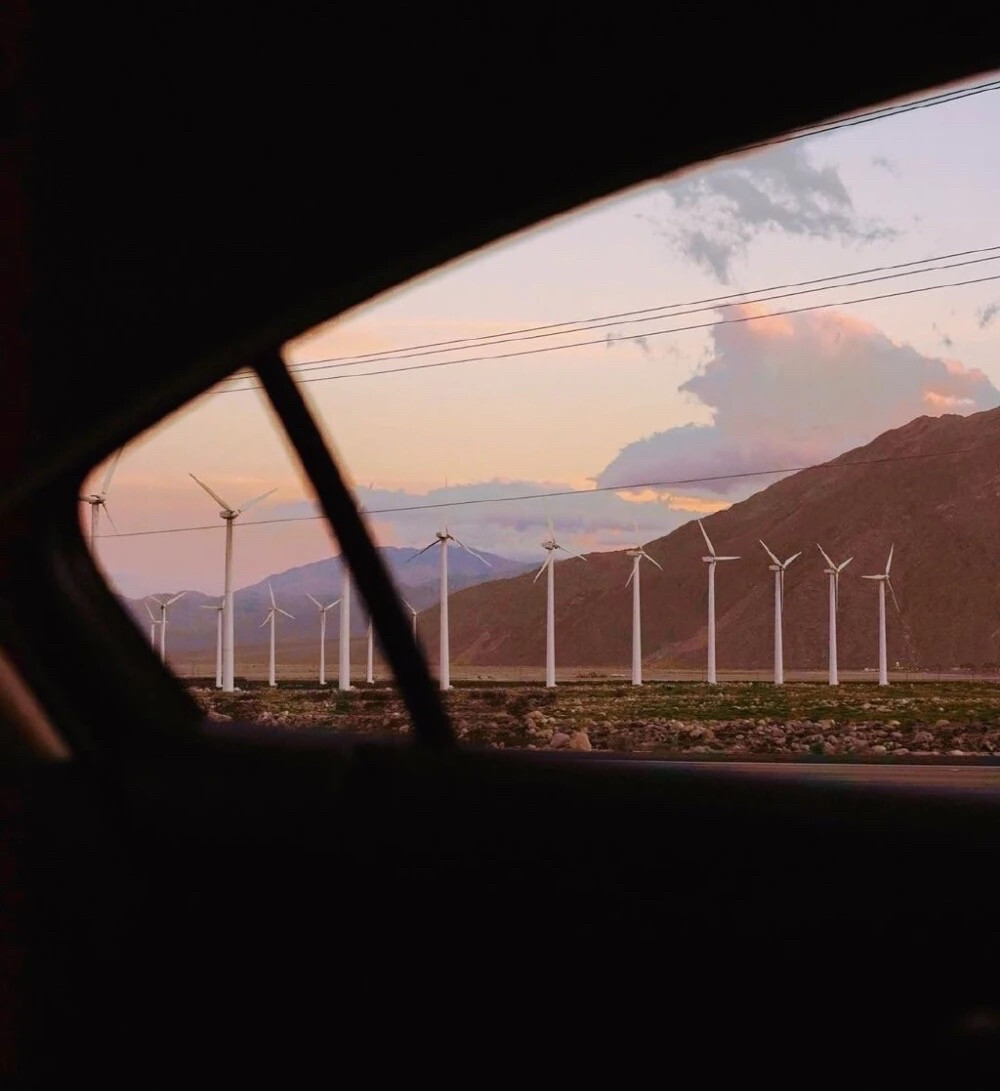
column 750, row 389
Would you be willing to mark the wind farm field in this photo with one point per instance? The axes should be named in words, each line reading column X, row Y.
column 906, row 721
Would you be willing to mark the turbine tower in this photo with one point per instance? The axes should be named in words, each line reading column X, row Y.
column 229, row 514
column 550, row 545
column 833, row 571
column 275, row 609
column 98, row 500
column 163, row 604
column 778, row 568
column 370, row 672
column 344, row 647
column 711, row 561
column 637, row 553
column 883, row 582
column 322, row 635
column 218, row 641
column 442, row 538
column 152, row 625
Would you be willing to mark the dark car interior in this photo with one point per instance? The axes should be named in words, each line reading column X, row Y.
column 221, row 902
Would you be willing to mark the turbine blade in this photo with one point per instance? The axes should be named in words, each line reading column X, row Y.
column 179, row 595
column 270, row 614
column 630, row 575
column 214, row 495
column 111, row 470
column 708, row 541
column 424, row 550
column 571, row 552
column 159, row 602
column 152, row 616
column 308, row 596
column 825, row 557
column 336, row 602
column 257, row 499
column 893, row 593
column 888, row 563
column 542, row 569
column 872, row 577
column 270, row 592
column 107, row 515
column 472, row 551
column 845, row 564
column 770, row 554
column 725, row 558
column 285, row 612
column 652, row 560
column 790, row 559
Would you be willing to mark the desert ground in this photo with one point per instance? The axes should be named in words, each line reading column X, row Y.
column 907, row 721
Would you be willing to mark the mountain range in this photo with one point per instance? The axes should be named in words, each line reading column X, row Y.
column 931, row 487
column 192, row 629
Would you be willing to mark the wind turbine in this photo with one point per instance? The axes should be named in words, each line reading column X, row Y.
column 550, row 545
column 637, row 553
column 275, row 609
column 229, row 514
column 218, row 640
column 414, row 613
column 163, row 604
column 152, row 624
column 883, row 580
column 442, row 538
column 778, row 568
column 322, row 636
column 833, row 571
column 711, row 561
column 98, row 500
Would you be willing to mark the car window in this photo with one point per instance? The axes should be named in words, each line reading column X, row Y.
column 682, row 463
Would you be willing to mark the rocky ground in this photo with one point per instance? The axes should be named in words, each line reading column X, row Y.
column 954, row 719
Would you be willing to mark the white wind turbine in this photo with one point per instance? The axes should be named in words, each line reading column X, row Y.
column 163, row 604
column 218, row 640
column 637, row 553
column 322, row 635
column 152, row 625
column 883, row 581
column 442, row 538
column 229, row 514
column 550, row 545
column 833, row 571
column 778, row 568
column 98, row 500
column 711, row 561
column 275, row 609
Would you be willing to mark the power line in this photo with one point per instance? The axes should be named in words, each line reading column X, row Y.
column 485, row 340
column 610, row 340
column 633, row 487
column 874, row 115
column 322, row 365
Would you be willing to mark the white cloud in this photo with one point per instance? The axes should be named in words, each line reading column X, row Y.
column 792, row 391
